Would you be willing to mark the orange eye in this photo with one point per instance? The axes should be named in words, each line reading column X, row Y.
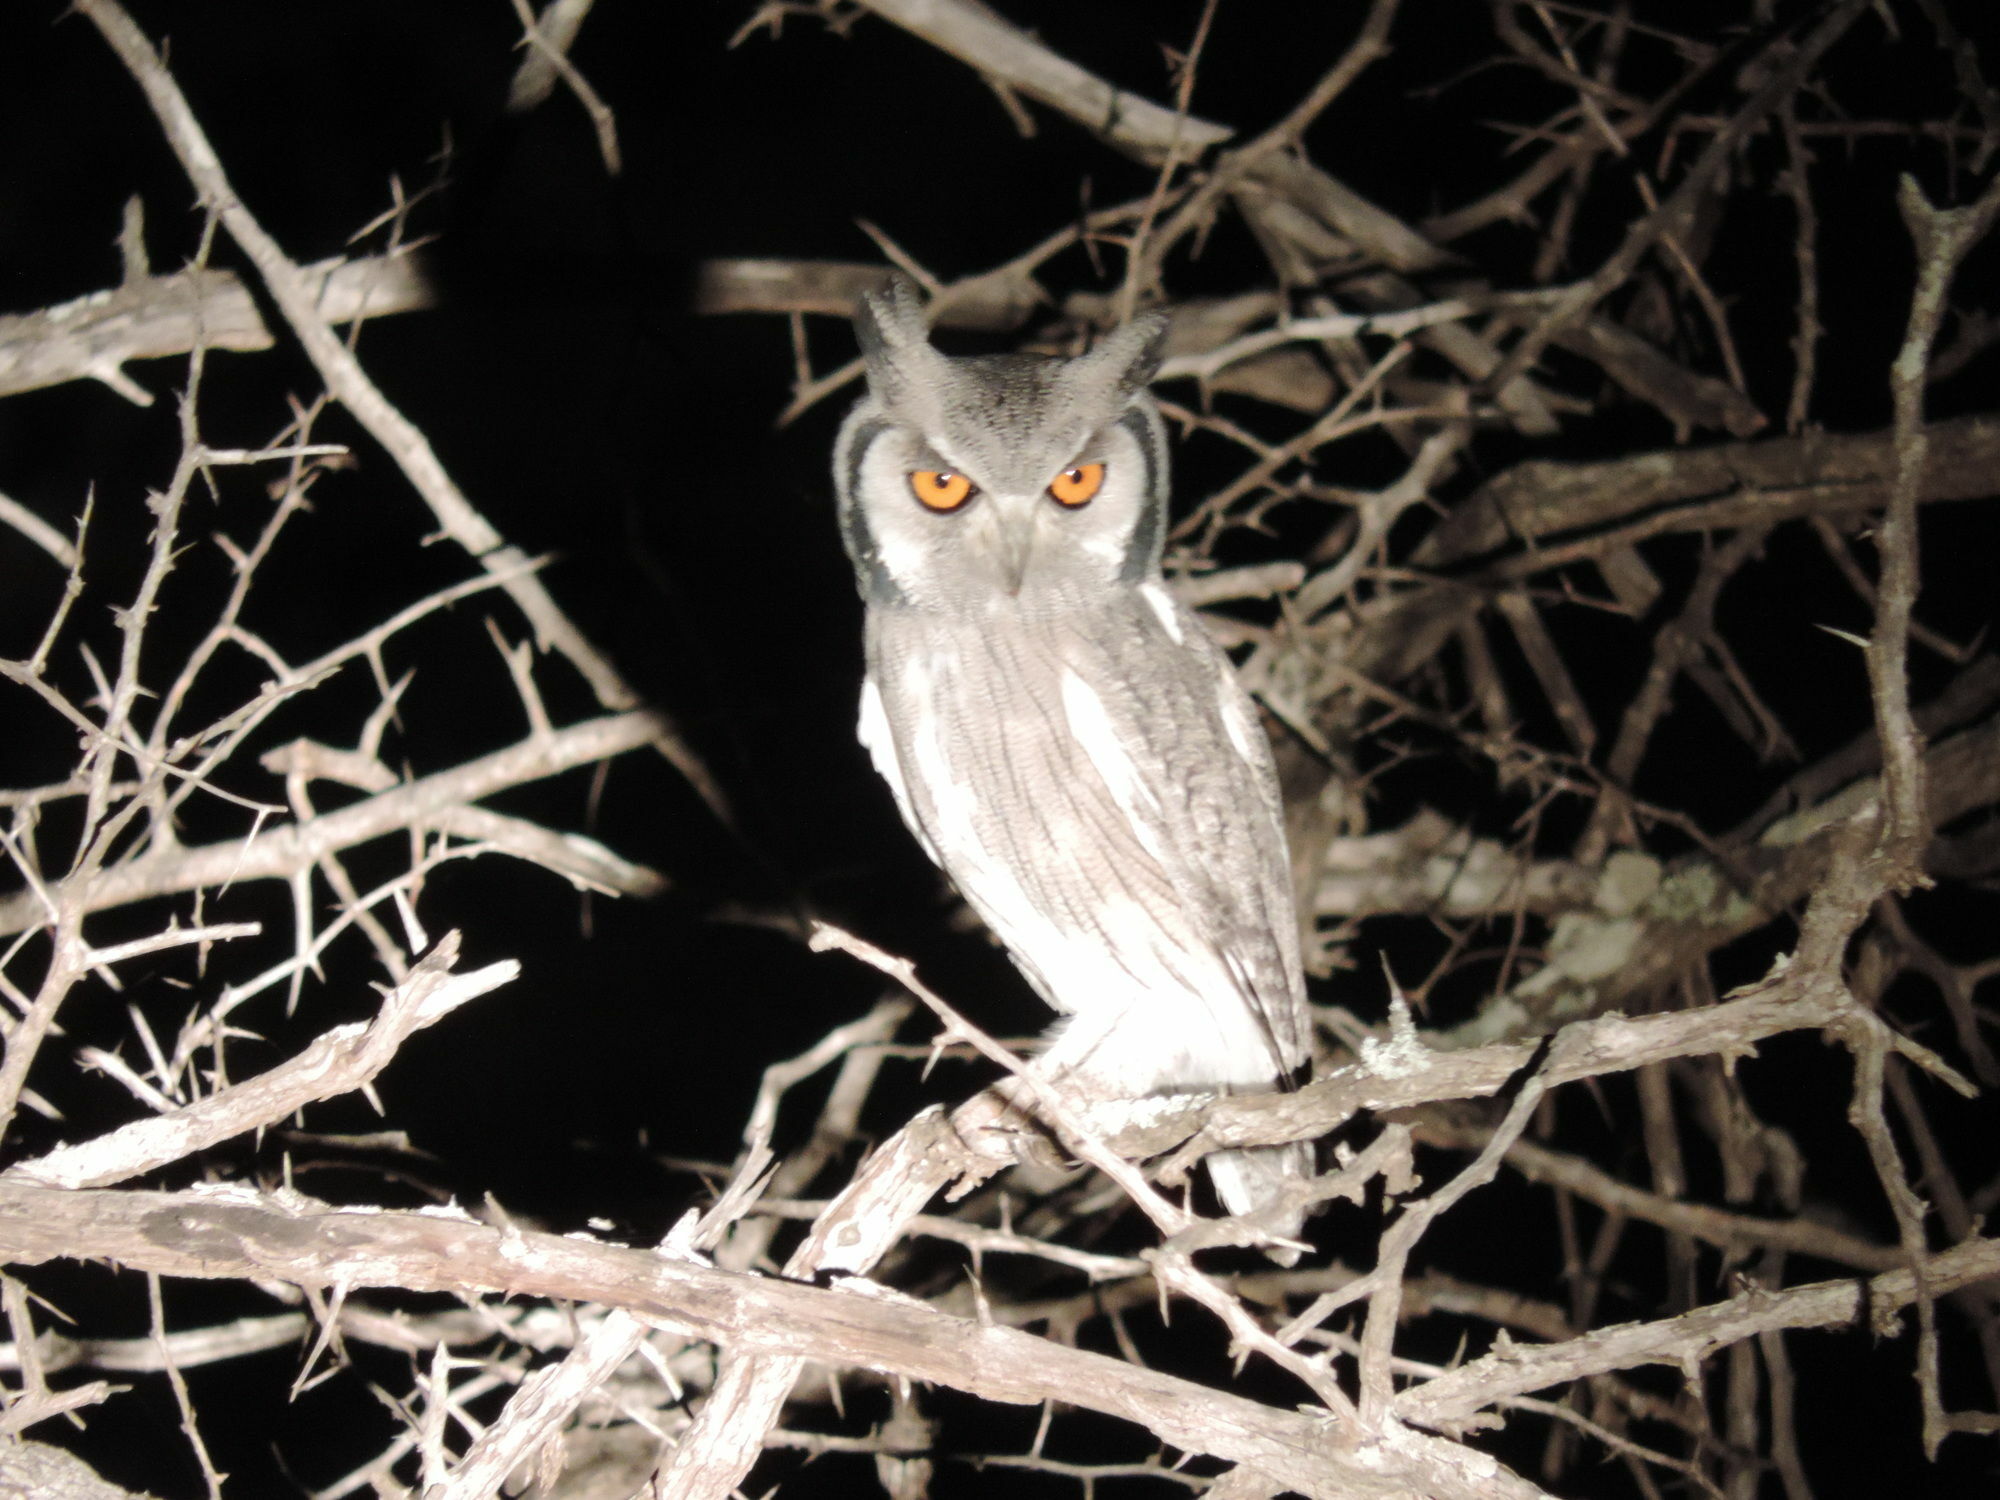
column 1077, row 486
column 940, row 489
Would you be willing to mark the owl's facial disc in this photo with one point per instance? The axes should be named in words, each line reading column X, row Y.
column 1007, row 526
column 997, row 486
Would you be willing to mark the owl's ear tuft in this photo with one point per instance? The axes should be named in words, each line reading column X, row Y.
column 1130, row 356
column 894, row 335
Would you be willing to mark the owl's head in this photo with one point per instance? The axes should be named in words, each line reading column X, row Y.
column 1012, row 480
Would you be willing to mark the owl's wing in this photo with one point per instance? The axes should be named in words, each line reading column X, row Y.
column 1234, row 864
column 1099, row 790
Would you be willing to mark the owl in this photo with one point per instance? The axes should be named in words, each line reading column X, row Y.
column 1061, row 735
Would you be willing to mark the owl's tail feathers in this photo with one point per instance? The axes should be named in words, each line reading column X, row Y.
column 1248, row 1182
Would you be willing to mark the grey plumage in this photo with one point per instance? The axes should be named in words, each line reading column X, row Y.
column 1061, row 735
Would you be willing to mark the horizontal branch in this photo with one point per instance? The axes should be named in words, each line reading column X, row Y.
column 342, row 1060
column 1686, row 1340
column 1696, row 489
column 1405, row 1073
column 152, row 317
column 1434, row 867
column 235, row 1232
column 835, row 288
column 281, row 852
column 1722, row 1227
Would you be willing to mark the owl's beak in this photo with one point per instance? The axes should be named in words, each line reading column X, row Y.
column 1014, row 539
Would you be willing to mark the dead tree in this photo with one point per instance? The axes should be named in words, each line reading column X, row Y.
column 1415, row 571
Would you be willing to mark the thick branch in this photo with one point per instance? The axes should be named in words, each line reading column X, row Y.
column 1690, row 489
column 238, row 1233
column 156, row 316
column 1405, row 1074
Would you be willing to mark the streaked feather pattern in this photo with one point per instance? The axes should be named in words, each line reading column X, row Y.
column 1115, row 861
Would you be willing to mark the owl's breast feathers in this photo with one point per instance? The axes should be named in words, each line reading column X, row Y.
column 1096, row 784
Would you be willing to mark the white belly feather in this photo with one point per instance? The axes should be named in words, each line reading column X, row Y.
column 1119, row 843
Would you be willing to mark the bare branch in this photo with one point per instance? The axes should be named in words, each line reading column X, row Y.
column 285, row 851
column 344, row 1059
column 93, row 337
column 976, row 36
column 350, row 384
column 241, row 1233
column 1449, row 1400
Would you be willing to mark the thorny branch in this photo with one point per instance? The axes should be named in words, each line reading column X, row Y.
column 1429, row 614
column 349, row 383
